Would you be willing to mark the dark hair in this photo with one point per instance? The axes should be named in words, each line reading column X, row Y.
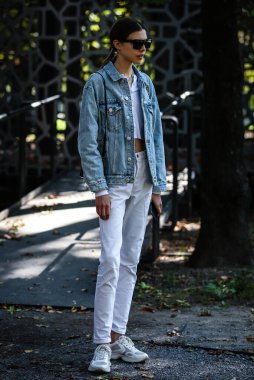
column 120, row 31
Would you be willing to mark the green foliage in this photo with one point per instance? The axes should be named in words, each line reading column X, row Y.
column 161, row 289
column 12, row 309
column 246, row 40
column 239, row 286
column 221, row 289
column 148, row 289
column 153, row 3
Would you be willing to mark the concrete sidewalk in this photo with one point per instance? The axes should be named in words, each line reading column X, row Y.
column 49, row 253
column 53, row 344
column 50, row 248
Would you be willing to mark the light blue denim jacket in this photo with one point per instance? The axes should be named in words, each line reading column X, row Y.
column 118, row 164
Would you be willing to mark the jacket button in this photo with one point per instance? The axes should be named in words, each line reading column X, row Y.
column 110, row 109
column 129, row 138
column 126, row 98
column 129, row 158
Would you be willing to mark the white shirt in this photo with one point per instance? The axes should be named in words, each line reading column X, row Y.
column 138, row 118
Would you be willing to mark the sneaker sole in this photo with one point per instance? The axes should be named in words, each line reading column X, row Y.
column 98, row 369
column 130, row 360
column 115, row 356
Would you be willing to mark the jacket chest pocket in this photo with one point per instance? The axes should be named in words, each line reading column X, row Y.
column 114, row 116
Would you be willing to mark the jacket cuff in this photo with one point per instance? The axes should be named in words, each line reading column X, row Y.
column 96, row 185
column 159, row 188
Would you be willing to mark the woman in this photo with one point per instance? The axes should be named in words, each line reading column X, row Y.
column 121, row 147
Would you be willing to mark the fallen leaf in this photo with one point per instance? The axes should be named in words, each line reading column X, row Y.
column 174, row 332
column 147, row 376
column 73, row 337
column 215, row 352
column 10, row 236
column 250, row 339
column 52, row 196
column 56, row 232
column 28, row 254
column 28, row 351
column 84, row 290
column 148, row 308
column 205, row 313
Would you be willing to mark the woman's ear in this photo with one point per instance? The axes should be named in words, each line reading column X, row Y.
column 116, row 44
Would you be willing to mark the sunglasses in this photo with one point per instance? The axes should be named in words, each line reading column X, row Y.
column 137, row 44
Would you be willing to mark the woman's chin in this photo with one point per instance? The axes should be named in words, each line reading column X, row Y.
column 139, row 60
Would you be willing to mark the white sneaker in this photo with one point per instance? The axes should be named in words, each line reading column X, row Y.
column 124, row 348
column 101, row 359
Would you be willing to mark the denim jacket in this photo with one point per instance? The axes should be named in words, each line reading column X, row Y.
column 117, row 166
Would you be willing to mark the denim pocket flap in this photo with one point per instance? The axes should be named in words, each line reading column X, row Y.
column 113, row 109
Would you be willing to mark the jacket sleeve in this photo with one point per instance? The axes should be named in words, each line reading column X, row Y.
column 91, row 159
column 158, row 145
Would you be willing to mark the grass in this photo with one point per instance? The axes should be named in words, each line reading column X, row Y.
column 168, row 283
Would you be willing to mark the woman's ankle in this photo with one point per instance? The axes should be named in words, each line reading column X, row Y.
column 114, row 336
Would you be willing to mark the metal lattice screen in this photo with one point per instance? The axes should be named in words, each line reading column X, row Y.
column 49, row 46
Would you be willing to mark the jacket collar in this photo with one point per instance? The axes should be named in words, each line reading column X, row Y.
column 112, row 71
column 115, row 75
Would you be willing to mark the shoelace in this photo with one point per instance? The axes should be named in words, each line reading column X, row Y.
column 101, row 352
column 127, row 342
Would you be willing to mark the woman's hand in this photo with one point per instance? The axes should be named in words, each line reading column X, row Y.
column 103, row 205
column 156, row 200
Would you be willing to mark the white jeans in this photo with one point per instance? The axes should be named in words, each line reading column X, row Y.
column 122, row 236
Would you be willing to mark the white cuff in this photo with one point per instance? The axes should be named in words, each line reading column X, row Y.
column 100, row 193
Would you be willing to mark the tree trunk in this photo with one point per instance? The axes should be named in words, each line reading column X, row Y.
column 224, row 234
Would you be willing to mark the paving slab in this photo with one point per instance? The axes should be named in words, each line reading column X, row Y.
column 229, row 329
column 50, row 246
